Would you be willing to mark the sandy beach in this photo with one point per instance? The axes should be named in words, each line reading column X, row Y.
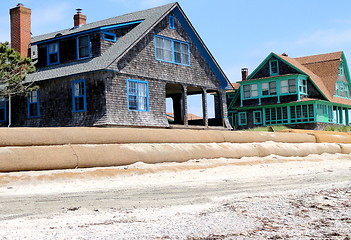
column 249, row 198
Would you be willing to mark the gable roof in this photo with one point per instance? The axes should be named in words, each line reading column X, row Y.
column 325, row 67
column 147, row 19
column 322, row 69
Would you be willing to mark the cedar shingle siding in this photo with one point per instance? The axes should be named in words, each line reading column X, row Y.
column 109, row 67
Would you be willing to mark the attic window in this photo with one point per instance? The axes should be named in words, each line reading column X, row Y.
column 273, row 68
column 341, row 69
column 171, row 22
column 171, row 50
column 109, row 36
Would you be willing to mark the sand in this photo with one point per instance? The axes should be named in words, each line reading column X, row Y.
column 272, row 197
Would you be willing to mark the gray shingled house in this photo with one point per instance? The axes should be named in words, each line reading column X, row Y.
column 117, row 72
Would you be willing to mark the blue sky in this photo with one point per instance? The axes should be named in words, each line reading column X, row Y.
column 239, row 33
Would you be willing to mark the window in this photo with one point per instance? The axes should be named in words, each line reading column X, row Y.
column 53, row 53
column 302, row 113
column 79, row 101
column 278, row 115
column 170, row 50
column 250, row 90
column 342, row 89
column 257, row 117
column 2, row 109
column 109, row 36
column 303, row 86
column 171, row 22
column 33, row 104
column 273, row 67
column 288, row 86
column 83, row 47
column 242, row 118
column 137, row 92
column 254, row 90
column 269, row 88
column 341, row 69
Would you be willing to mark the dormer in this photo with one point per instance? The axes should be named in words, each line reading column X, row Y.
column 82, row 42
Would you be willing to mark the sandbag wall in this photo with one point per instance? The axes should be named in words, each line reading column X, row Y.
column 23, row 149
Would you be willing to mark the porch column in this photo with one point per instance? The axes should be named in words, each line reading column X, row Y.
column 347, row 116
column 223, row 106
column 185, row 105
column 204, row 107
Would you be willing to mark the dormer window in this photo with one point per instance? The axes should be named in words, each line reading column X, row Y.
column 171, row 22
column 83, row 47
column 341, row 69
column 53, row 53
column 273, row 68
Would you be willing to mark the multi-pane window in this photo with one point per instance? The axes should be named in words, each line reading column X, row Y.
column 170, row 50
column 53, row 53
column 242, row 120
column 341, row 69
column 2, row 109
column 269, row 88
column 302, row 113
column 342, row 89
column 250, row 90
column 303, row 86
column 79, row 96
column 288, row 86
column 278, row 115
column 137, row 92
column 181, row 53
column 33, row 104
column 83, row 47
column 257, row 117
column 273, row 67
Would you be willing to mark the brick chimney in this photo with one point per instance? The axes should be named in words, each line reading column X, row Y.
column 79, row 18
column 244, row 74
column 20, row 20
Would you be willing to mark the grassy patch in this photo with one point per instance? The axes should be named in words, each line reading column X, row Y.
column 267, row 129
column 338, row 128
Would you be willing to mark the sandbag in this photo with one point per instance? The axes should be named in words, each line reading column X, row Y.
column 105, row 155
column 249, row 137
column 332, row 138
column 297, row 149
column 123, row 154
column 345, row 148
column 91, row 135
column 37, row 158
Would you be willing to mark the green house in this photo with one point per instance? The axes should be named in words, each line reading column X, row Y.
column 306, row 92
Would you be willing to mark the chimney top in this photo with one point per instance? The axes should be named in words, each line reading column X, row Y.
column 79, row 18
column 284, row 54
column 20, row 5
column 244, row 74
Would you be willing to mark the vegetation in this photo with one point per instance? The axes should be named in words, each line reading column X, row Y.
column 13, row 71
column 338, row 128
column 268, row 129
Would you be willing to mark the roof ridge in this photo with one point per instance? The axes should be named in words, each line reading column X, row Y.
column 329, row 60
column 98, row 23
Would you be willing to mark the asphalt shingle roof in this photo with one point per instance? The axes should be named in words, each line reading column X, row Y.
column 150, row 18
